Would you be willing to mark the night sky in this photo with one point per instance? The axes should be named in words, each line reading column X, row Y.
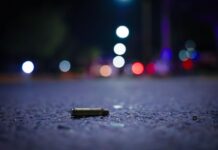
column 86, row 23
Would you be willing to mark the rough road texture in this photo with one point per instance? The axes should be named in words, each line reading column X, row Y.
column 174, row 113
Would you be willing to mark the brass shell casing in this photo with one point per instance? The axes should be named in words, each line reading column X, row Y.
column 88, row 112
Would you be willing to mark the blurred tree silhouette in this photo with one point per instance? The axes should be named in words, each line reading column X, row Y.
column 36, row 34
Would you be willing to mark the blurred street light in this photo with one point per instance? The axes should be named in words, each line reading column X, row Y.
column 190, row 45
column 64, row 66
column 122, row 32
column 137, row 68
column 28, row 67
column 119, row 49
column 118, row 61
column 105, row 71
column 124, row 1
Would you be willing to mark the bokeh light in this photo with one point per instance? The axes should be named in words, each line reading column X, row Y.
column 162, row 68
column 190, row 45
column 192, row 54
column 124, row 1
column 150, row 68
column 183, row 55
column 137, row 68
column 187, row 64
column 64, row 65
column 119, row 49
column 28, row 67
column 122, row 32
column 105, row 71
column 166, row 54
column 118, row 61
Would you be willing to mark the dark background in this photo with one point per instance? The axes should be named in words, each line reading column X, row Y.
column 81, row 30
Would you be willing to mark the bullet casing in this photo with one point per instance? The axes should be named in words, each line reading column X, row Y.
column 88, row 112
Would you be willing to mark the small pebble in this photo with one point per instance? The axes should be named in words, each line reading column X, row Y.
column 117, row 106
column 117, row 125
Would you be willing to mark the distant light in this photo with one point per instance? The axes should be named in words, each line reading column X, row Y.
column 119, row 49
column 183, row 55
column 162, row 68
column 124, row 0
column 150, row 69
column 64, row 66
column 192, row 54
column 190, row 45
column 166, row 54
column 187, row 65
column 105, row 71
column 118, row 62
column 28, row 67
column 122, row 32
column 137, row 68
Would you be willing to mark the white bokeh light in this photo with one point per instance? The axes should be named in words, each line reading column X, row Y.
column 27, row 67
column 64, row 66
column 122, row 32
column 118, row 61
column 119, row 49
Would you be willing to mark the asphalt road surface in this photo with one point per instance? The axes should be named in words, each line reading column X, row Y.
column 145, row 113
